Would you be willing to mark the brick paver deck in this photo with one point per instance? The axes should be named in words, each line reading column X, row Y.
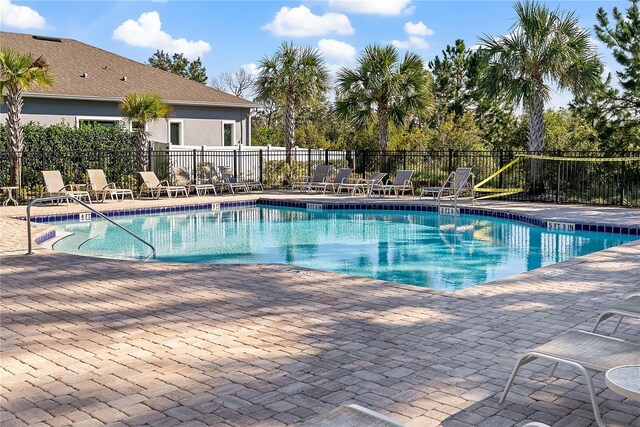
column 97, row 342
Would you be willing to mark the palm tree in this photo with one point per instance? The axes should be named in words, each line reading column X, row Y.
column 141, row 109
column 294, row 75
column 543, row 49
column 395, row 90
column 18, row 72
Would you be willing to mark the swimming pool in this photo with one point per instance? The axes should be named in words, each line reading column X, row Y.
column 418, row 248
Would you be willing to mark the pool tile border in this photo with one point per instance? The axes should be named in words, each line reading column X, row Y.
column 526, row 219
column 143, row 211
column 325, row 205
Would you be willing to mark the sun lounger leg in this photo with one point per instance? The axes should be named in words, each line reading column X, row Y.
column 522, row 361
column 592, row 395
column 617, row 325
column 604, row 316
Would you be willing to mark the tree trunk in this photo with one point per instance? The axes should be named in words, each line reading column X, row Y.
column 14, row 135
column 142, row 149
column 383, row 136
column 289, row 126
column 536, row 145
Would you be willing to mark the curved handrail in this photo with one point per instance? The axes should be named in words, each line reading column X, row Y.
column 75, row 200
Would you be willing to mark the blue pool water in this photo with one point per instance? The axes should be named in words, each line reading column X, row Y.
column 424, row 249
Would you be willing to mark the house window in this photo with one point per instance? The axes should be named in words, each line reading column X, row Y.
column 105, row 123
column 227, row 134
column 175, row 134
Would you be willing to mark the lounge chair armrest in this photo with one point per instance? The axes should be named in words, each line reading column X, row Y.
column 111, row 185
column 164, row 182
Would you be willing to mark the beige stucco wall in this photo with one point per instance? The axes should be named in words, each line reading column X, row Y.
column 200, row 125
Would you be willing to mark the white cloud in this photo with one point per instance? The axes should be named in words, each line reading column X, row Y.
column 416, row 34
column 373, row 7
column 411, row 43
column 147, row 32
column 418, row 30
column 251, row 68
column 301, row 22
column 337, row 51
column 21, row 17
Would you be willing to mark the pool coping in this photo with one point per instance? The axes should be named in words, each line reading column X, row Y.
column 329, row 205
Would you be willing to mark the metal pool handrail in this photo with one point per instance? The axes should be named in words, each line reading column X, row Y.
column 75, row 200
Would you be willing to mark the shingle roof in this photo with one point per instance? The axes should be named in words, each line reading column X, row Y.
column 105, row 71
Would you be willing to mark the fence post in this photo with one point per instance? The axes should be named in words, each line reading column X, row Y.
column 195, row 162
column 260, row 165
column 149, row 158
column 235, row 164
column 558, row 182
column 326, row 157
column 404, row 159
column 500, row 177
column 309, row 162
column 450, row 166
column 364, row 163
column 623, row 176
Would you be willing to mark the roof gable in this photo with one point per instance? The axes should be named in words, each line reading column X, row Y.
column 84, row 71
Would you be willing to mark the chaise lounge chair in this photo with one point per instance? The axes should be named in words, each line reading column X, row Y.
column 100, row 187
column 54, row 186
column 320, row 174
column 401, row 183
column 230, row 182
column 152, row 185
column 351, row 416
column 341, row 177
column 183, row 178
column 630, row 307
column 455, row 183
column 362, row 184
column 583, row 350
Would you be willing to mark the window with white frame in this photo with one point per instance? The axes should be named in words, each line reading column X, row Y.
column 175, row 132
column 228, row 134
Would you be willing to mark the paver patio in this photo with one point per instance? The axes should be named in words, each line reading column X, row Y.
column 93, row 342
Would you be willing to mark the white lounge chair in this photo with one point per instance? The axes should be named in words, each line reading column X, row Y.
column 230, row 181
column 100, row 187
column 341, row 177
column 455, row 183
column 351, row 416
column 583, row 350
column 183, row 178
column 630, row 307
column 320, row 174
column 54, row 186
column 211, row 176
column 152, row 185
column 361, row 185
column 401, row 183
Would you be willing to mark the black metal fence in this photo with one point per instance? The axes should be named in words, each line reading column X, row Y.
column 580, row 177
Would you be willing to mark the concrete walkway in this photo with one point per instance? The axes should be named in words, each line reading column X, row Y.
column 91, row 342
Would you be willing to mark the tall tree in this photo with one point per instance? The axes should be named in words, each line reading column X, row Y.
column 615, row 113
column 140, row 110
column 385, row 86
column 544, row 48
column 19, row 72
column 295, row 75
column 239, row 82
column 454, row 80
column 180, row 65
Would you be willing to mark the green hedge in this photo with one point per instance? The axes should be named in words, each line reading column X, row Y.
column 71, row 150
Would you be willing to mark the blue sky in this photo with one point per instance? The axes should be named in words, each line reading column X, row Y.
column 231, row 34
